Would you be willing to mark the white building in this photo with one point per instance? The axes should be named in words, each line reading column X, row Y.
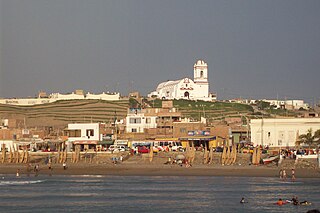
column 196, row 89
column 288, row 104
column 279, row 132
column 85, row 134
column 137, row 121
column 58, row 97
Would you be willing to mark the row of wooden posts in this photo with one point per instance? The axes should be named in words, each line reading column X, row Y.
column 229, row 155
column 16, row 156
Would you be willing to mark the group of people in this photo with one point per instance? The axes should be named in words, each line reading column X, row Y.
column 283, row 174
column 281, row 202
column 294, row 201
column 179, row 162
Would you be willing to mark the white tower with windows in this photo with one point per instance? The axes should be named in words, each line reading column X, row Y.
column 200, row 72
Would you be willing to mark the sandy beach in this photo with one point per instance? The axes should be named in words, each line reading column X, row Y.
column 140, row 165
column 156, row 170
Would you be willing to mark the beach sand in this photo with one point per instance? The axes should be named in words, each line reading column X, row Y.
column 141, row 166
column 156, row 170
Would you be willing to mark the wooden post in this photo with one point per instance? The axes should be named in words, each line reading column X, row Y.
column 211, row 155
column 223, row 157
column 3, row 153
column 234, row 149
column 151, row 154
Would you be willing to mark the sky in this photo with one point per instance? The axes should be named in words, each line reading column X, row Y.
column 254, row 49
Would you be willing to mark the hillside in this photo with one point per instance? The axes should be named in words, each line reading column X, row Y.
column 62, row 112
column 215, row 111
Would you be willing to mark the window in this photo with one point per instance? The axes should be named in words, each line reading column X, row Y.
column 133, row 130
column 90, row 132
column 75, row 133
column 201, row 74
column 135, row 120
column 148, row 120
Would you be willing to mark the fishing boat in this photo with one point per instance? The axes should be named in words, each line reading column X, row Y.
column 270, row 159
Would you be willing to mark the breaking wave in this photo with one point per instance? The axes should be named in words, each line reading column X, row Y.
column 19, row 182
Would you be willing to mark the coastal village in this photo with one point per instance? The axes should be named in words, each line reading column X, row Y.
column 181, row 123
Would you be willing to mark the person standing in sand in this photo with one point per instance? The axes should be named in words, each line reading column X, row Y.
column 284, row 175
column 293, row 177
column 281, row 174
column 64, row 165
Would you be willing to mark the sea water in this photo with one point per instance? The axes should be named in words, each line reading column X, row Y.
column 153, row 194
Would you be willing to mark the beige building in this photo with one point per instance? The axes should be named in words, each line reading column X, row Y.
column 281, row 132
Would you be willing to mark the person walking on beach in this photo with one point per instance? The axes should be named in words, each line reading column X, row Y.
column 293, row 177
column 49, row 166
column 281, row 174
column 284, row 175
column 18, row 173
column 64, row 165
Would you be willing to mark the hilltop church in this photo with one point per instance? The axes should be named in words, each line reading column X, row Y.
column 186, row 88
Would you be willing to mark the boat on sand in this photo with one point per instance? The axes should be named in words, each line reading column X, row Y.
column 270, row 159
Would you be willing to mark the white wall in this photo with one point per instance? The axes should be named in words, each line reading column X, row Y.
column 281, row 132
column 57, row 96
column 84, row 127
column 140, row 127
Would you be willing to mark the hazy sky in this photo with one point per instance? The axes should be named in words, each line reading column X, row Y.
column 254, row 49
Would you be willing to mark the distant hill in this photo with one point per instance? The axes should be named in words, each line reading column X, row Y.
column 61, row 113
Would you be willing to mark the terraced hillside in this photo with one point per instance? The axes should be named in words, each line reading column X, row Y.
column 212, row 110
column 63, row 112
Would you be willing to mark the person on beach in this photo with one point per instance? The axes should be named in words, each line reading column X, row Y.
column 281, row 174
column 295, row 201
column 36, row 168
column 243, row 200
column 284, row 175
column 280, row 202
column 293, row 177
column 64, row 165
column 18, row 173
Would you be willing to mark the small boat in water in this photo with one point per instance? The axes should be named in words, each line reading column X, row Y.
column 270, row 159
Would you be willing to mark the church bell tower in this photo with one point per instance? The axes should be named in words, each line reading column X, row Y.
column 200, row 72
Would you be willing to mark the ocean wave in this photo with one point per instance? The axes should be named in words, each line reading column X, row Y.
column 19, row 182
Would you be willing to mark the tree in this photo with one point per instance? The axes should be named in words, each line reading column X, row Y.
column 310, row 138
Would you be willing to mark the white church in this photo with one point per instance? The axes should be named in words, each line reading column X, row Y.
column 196, row 89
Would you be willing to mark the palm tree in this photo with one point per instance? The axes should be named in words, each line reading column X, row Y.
column 310, row 138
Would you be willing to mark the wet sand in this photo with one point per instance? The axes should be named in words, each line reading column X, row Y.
column 157, row 170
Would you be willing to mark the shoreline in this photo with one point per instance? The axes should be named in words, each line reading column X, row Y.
column 156, row 170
